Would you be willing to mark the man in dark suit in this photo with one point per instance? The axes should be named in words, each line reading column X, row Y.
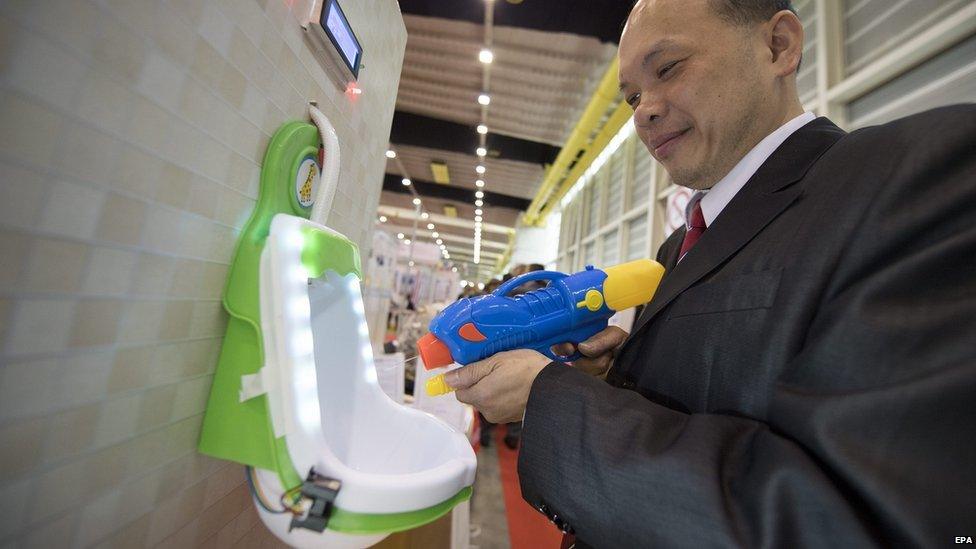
column 806, row 373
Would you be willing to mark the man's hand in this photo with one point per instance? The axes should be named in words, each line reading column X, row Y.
column 598, row 351
column 498, row 386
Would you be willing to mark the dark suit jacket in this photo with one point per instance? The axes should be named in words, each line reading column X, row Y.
column 805, row 377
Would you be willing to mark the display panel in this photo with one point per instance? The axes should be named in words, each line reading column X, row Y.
column 337, row 28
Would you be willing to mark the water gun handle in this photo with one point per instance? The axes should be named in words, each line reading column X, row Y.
column 575, row 337
column 513, row 283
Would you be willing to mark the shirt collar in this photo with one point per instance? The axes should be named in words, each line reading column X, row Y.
column 714, row 200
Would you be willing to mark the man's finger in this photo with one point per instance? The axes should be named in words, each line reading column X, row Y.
column 466, row 376
column 603, row 342
column 564, row 349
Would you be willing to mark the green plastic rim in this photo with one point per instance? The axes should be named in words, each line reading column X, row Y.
column 348, row 522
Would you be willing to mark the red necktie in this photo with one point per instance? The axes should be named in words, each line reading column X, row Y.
column 696, row 226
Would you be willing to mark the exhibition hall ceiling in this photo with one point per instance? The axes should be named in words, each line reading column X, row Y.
column 548, row 57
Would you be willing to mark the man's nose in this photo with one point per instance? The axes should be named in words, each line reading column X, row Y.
column 649, row 110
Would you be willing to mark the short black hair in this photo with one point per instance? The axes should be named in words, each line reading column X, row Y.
column 745, row 12
column 749, row 12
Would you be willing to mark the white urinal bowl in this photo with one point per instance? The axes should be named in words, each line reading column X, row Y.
column 324, row 398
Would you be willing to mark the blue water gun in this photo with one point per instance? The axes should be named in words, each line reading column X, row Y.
column 572, row 308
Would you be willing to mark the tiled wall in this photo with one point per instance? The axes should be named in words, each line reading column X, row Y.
column 131, row 137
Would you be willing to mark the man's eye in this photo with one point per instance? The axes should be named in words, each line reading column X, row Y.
column 633, row 99
column 666, row 69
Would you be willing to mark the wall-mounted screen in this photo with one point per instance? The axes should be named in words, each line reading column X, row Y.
column 337, row 28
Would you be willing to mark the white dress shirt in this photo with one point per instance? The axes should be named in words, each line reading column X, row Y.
column 714, row 200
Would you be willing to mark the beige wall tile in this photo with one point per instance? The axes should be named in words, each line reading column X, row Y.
column 202, row 196
column 25, row 388
column 120, row 52
column 109, row 467
column 161, row 79
column 142, row 321
column 117, row 419
column 109, row 271
column 176, row 320
column 98, row 518
column 72, row 210
column 136, row 172
column 5, row 307
column 132, row 535
column 103, row 102
column 82, row 378
column 28, row 131
column 40, row 325
column 156, row 407
column 24, row 192
column 173, row 186
column 209, row 318
column 55, row 266
column 96, row 322
column 58, row 490
column 154, row 274
column 12, row 508
column 21, row 441
column 70, row 432
column 54, row 533
column 191, row 398
column 121, row 220
column 131, row 369
column 175, row 512
column 15, row 248
column 88, row 154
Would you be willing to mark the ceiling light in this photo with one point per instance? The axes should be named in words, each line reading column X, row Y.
column 454, row 269
column 481, row 285
column 424, row 215
column 407, row 241
column 485, row 56
column 481, row 151
column 400, row 236
column 411, row 263
column 478, row 212
column 479, row 194
column 382, row 219
column 430, row 226
column 479, row 168
column 416, row 201
column 479, row 183
column 479, row 203
column 391, row 153
column 435, row 234
column 482, row 129
column 439, row 242
column 477, row 218
column 405, row 181
column 484, row 99
column 477, row 260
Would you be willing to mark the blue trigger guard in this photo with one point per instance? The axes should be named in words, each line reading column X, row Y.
column 513, row 283
column 580, row 333
column 560, row 358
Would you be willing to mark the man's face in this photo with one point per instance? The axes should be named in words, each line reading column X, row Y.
column 696, row 84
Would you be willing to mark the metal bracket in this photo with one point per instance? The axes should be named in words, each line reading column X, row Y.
column 322, row 491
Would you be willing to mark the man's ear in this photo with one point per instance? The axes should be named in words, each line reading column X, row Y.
column 785, row 42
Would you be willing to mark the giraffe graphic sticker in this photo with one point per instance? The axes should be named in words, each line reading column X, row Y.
column 306, row 180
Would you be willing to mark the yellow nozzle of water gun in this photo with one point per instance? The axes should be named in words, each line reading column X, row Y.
column 436, row 386
column 631, row 284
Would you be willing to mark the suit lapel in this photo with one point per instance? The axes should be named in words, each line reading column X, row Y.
column 767, row 193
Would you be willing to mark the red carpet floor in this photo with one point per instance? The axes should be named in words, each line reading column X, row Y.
column 527, row 528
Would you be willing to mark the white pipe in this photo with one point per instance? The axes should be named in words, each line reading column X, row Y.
column 330, row 168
